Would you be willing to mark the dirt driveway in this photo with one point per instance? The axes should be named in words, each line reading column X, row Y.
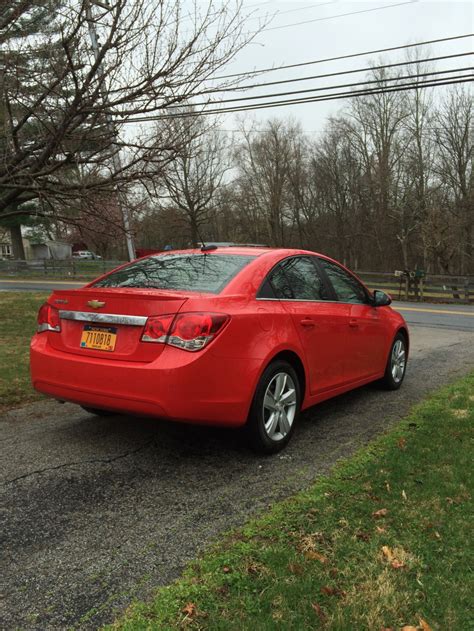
column 97, row 511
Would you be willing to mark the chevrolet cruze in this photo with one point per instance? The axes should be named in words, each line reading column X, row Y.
column 228, row 336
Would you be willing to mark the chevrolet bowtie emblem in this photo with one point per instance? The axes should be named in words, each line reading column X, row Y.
column 95, row 304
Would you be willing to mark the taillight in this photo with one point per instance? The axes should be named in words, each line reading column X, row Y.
column 48, row 318
column 189, row 331
column 156, row 328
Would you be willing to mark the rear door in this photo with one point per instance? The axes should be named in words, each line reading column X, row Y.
column 320, row 321
column 366, row 331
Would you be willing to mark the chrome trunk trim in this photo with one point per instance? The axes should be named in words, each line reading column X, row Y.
column 103, row 318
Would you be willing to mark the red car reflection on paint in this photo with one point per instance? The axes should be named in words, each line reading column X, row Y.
column 226, row 336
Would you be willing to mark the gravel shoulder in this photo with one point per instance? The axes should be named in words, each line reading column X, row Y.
column 97, row 511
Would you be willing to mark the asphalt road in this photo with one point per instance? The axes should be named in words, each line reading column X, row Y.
column 97, row 511
column 14, row 284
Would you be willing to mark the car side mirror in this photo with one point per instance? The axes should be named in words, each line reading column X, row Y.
column 381, row 299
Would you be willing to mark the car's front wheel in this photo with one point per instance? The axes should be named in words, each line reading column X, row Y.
column 396, row 363
column 275, row 408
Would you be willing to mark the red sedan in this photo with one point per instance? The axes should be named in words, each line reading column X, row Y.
column 224, row 336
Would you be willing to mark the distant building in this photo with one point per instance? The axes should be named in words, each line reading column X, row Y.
column 49, row 249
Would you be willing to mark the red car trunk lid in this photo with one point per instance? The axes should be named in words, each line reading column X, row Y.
column 121, row 311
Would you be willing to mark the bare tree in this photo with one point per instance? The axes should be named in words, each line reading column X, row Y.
column 192, row 179
column 454, row 134
column 69, row 115
column 262, row 175
column 373, row 126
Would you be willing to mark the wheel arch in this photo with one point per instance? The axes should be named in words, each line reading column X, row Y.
column 295, row 362
column 404, row 331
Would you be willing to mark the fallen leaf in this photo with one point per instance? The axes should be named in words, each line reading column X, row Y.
column 374, row 498
column 332, row 591
column 333, row 572
column 223, row 590
column 226, row 569
column 317, row 608
column 404, row 495
column 437, row 535
column 409, row 627
column 382, row 512
column 387, row 552
column 461, row 413
column 390, row 556
column 397, row 565
column 315, row 556
column 295, row 568
column 387, row 486
column 380, row 529
column 190, row 609
column 363, row 536
column 424, row 625
column 402, row 443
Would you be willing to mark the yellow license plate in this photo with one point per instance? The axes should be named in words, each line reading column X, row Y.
column 99, row 338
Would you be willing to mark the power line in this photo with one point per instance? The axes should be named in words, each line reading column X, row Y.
column 278, row 13
column 340, row 57
column 321, row 76
column 328, row 97
column 343, row 85
column 340, row 15
column 327, row 75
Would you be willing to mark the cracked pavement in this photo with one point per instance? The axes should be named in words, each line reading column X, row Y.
column 97, row 511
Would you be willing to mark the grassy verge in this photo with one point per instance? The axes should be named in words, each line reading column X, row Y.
column 17, row 324
column 382, row 543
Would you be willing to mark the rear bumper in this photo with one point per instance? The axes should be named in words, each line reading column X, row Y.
column 181, row 386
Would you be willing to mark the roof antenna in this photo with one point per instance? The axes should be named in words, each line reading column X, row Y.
column 205, row 248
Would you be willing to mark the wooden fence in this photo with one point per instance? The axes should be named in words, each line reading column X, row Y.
column 435, row 288
column 67, row 268
column 431, row 288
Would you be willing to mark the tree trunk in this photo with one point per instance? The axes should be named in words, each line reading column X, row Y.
column 196, row 241
column 17, row 242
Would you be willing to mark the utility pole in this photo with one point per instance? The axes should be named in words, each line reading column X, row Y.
column 116, row 161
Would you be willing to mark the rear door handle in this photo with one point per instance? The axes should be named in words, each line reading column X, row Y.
column 354, row 323
column 307, row 322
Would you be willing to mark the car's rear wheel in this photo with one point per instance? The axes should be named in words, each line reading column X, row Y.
column 275, row 408
column 396, row 363
column 98, row 412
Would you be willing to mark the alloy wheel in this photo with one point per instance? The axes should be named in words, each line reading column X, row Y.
column 279, row 406
column 398, row 360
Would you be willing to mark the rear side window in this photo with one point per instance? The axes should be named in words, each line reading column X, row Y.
column 186, row 272
column 296, row 278
column 347, row 288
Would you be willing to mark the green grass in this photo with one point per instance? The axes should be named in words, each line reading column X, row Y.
column 382, row 542
column 18, row 312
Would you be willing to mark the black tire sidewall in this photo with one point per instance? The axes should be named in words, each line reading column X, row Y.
column 259, row 439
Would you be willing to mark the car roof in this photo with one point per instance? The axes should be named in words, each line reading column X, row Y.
column 240, row 250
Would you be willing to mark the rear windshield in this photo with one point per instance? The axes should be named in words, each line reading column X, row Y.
column 186, row 272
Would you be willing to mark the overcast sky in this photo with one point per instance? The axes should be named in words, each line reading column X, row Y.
column 316, row 37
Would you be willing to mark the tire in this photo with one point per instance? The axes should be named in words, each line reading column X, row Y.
column 98, row 412
column 273, row 416
column 396, row 363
